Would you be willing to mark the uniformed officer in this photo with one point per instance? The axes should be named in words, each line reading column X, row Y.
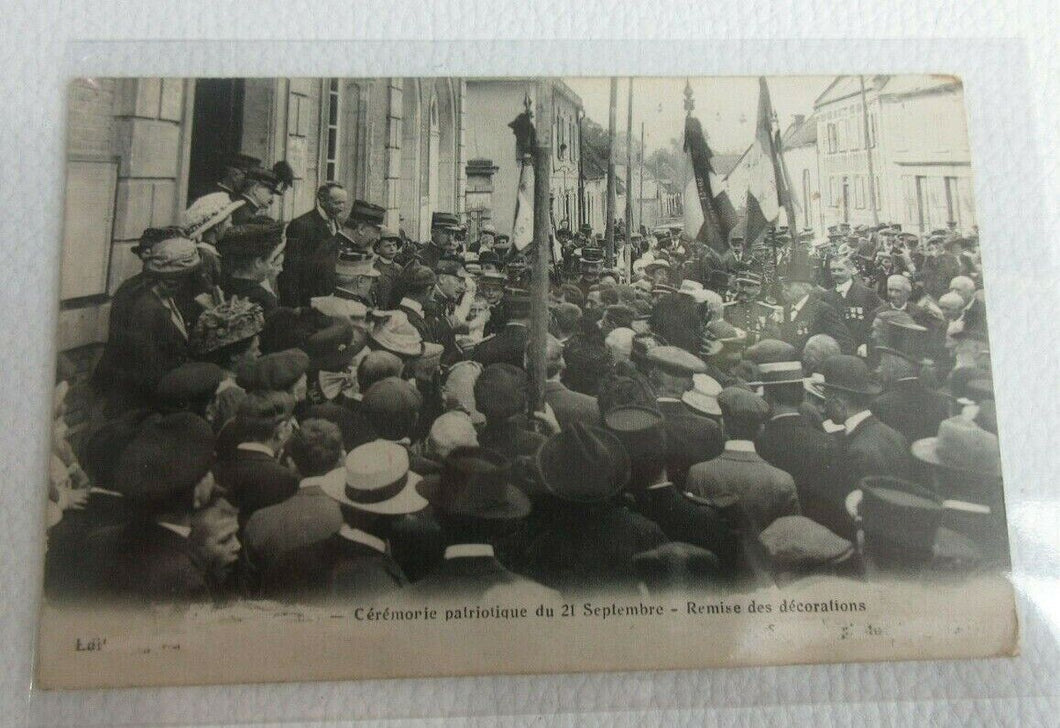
column 759, row 319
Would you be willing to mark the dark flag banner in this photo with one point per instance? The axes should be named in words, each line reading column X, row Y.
column 715, row 226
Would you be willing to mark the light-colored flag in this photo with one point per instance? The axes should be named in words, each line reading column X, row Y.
column 763, row 186
column 523, row 227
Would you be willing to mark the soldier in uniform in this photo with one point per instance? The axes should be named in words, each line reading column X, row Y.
column 759, row 319
column 356, row 276
column 259, row 190
column 444, row 226
column 235, row 174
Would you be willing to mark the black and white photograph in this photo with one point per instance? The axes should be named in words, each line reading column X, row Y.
column 396, row 377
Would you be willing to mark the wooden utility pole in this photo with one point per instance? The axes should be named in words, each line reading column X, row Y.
column 609, row 224
column 640, row 194
column 628, row 272
column 542, row 246
column 868, row 155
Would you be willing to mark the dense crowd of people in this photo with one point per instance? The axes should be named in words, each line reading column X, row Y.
column 324, row 410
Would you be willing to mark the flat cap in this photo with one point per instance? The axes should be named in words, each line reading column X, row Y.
column 273, row 372
column 675, row 360
column 742, row 404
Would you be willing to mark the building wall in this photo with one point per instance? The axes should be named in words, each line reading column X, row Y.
column 491, row 106
column 801, row 164
column 921, row 160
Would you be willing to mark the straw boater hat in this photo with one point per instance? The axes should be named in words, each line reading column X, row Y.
column 376, row 479
column 703, row 397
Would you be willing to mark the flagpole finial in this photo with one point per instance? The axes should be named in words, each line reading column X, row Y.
column 690, row 103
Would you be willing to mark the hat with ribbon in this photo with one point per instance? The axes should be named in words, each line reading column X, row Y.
column 207, row 212
column 171, row 257
column 475, row 482
column 963, row 446
column 848, row 373
column 584, row 464
column 391, row 330
column 376, row 478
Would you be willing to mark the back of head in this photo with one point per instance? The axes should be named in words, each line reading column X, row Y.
column 354, row 427
column 378, row 365
column 261, row 413
column 501, row 391
column 391, row 407
column 818, row 348
column 315, row 447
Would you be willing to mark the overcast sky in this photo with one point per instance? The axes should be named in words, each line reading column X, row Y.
column 726, row 105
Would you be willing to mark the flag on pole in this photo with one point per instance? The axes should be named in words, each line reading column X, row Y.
column 764, row 181
column 705, row 221
column 523, row 227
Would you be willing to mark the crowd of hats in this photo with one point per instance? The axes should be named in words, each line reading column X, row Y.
column 650, row 361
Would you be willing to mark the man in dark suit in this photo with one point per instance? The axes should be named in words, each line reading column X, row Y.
column 589, row 542
column 501, row 392
column 306, row 235
column 690, row 438
column 475, row 503
column 373, row 488
column 163, row 472
column 653, row 495
column 250, row 474
column 739, row 479
column 307, row 516
column 807, row 314
column 871, row 447
column 567, row 405
column 416, row 286
column 854, row 301
column 791, row 442
column 508, row 346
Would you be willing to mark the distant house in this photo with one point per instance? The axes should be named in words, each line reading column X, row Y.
column 799, row 143
column 918, row 139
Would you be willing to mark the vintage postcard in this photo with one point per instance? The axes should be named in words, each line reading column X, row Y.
column 394, row 377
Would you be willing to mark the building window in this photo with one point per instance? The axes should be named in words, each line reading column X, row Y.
column 856, row 133
column 331, row 159
column 833, row 145
column 859, row 192
column 876, row 191
column 841, row 133
column 833, row 191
